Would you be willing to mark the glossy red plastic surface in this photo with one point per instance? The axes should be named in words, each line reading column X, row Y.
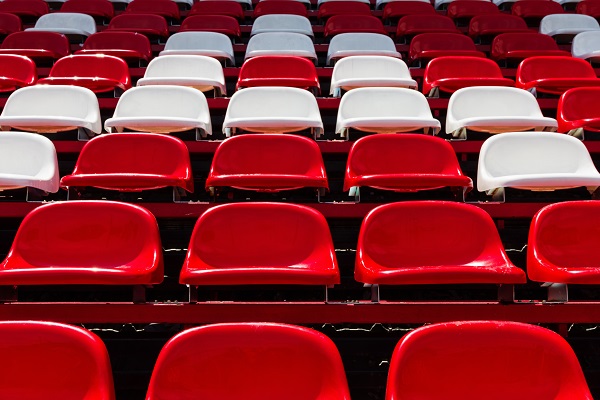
column 555, row 75
column 267, row 162
column 212, row 23
column 432, row 242
column 341, row 7
column 589, row 7
column 492, row 25
column 563, row 243
column 405, row 162
column 47, row 360
column 15, row 72
column 36, row 45
column 519, row 46
column 287, row 71
column 535, row 9
column 147, row 24
column 165, row 8
column 217, row 7
column 398, row 9
column 132, row 162
column 9, row 23
column 464, row 9
column 411, row 25
column 579, row 108
column 125, row 45
column 85, row 242
column 95, row 8
column 452, row 73
column 491, row 360
column 97, row 72
column 279, row 7
column 260, row 243
column 427, row 46
column 249, row 361
column 25, row 8
column 347, row 23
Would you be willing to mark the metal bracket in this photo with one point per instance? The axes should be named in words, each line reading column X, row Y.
column 558, row 293
column 506, row 293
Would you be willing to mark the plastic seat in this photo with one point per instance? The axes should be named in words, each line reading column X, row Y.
column 153, row 26
column 279, row 7
column 161, row 109
column 360, row 43
column 501, row 360
column 305, row 3
column 578, row 110
column 403, row 163
column 30, row 9
column 16, row 72
column 494, row 110
column 432, row 242
column 282, row 23
column 71, row 363
column 246, row 4
column 394, row 10
column 321, row 2
column 128, row 46
column 260, row 243
column 532, row 11
column 586, row 45
column 127, row 162
column 101, row 10
column 427, row 46
column 588, row 7
column 268, row 360
column 9, row 23
column 353, row 23
column 287, row 71
column 411, row 25
column 484, row 27
column 200, row 72
column 75, row 26
column 379, row 4
column 50, row 109
column 464, row 10
column 369, row 71
column 98, row 72
column 342, row 7
column 267, row 163
column 384, row 110
column 218, row 7
column 212, row 23
column 39, row 46
column 515, row 47
column 281, row 44
column 272, row 110
column 210, row 44
column 85, row 243
column 534, row 161
column 563, row 27
column 555, row 75
column 165, row 8
column 448, row 74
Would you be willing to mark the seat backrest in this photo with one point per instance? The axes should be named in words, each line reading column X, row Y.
column 271, row 101
column 273, row 42
column 424, row 22
column 360, row 41
column 61, row 20
column 102, row 8
column 482, row 101
column 588, row 8
column 211, row 23
column 439, row 41
column 185, row 66
column 484, row 359
column 119, row 41
column 9, row 23
column 25, row 8
column 506, row 42
column 127, row 21
column 375, row 67
column 332, row 8
column 496, row 23
column 578, row 22
column 265, row 360
column 30, row 155
column 461, row 67
column 279, row 7
column 585, row 44
column 269, row 70
column 578, row 104
column 71, row 363
column 353, row 23
column 51, row 41
column 18, row 67
column 93, row 66
column 529, row 8
column 282, row 23
column 165, row 8
column 398, row 9
column 468, row 8
column 212, row 7
column 162, row 100
column 193, row 41
column 544, row 67
column 373, row 102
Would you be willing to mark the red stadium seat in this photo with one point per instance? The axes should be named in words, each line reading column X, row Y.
column 589, row 7
column 432, row 242
column 515, row 47
column 555, row 75
column 427, row 46
column 16, row 72
column 51, row 360
column 353, row 23
column 532, row 11
column 85, row 242
column 464, row 10
column 153, row 26
column 218, row 7
column 578, row 110
column 101, row 10
column 267, row 162
column 212, row 23
column 395, row 10
column 485, row 27
column 260, row 243
column 341, row 7
column 129, row 46
column 411, row 25
column 165, row 8
column 448, row 74
column 98, row 72
column 289, row 71
column 28, row 9
column 279, row 7
column 132, row 163
column 9, row 23
column 39, row 46
column 484, row 359
column 404, row 163
column 265, row 360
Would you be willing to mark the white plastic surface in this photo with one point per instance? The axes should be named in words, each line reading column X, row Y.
column 210, row 44
column 66, row 23
column 359, row 43
column 282, row 23
column 380, row 4
column 586, row 45
column 567, row 24
column 281, row 43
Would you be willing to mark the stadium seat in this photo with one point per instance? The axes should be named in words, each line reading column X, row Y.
column 353, row 23
column 272, row 110
column 534, row 161
column 266, row 360
column 131, row 163
column 48, row 359
column 260, row 243
column 588, row 7
column 412, row 25
column 491, row 359
column 464, row 10
column 288, row 71
column 153, row 26
column 342, row 7
column 483, row 28
column 586, row 45
column 267, row 163
column 494, row 110
column 208, row 44
column 279, row 7
column 212, row 23
column 98, row 72
column 515, row 47
column 128, row 46
column 161, row 109
column 282, row 23
column 9, row 23
column 578, row 111
column 200, row 72
column 384, row 110
column 563, row 27
column 76, row 26
column 281, row 44
column 448, row 74
column 305, row 3
column 403, row 163
column 218, row 7
column 532, row 11
column 26, row 9
column 101, row 10
column 50, row 109
column 555, row 75
column 246, row 4
column 321, row 2
column 85, row 243
column 39, row 46
column 427, row 46
column 394, row 10
column 369, row 71
column 167, row 9
column 357, row 44
column 379, row 4
column 432, row 242
column 16, row 72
